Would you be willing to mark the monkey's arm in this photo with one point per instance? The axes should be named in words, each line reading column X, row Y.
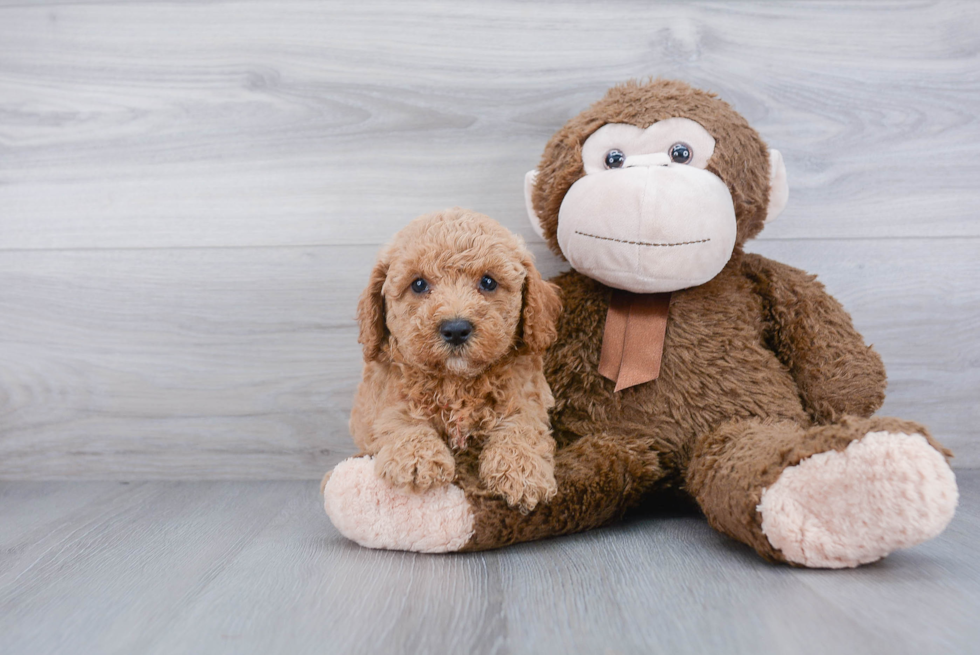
column 812, row 334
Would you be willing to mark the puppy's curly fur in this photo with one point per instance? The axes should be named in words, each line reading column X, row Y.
column 422, row 398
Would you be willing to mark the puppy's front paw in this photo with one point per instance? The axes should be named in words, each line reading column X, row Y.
column 417, row 463
column 523, row 477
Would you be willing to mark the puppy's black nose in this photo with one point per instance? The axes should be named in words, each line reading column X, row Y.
column 456, row 332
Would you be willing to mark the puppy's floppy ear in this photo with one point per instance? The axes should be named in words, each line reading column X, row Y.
column 541, row 308
column 371, row 312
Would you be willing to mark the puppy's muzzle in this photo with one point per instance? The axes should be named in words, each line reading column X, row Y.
column 456, row 331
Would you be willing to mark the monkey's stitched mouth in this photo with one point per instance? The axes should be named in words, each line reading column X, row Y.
column 642, row 243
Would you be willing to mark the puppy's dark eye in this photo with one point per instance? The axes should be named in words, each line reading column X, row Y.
column 681, row 153
column 615, row 159
column 487, row 283
column 420, row 285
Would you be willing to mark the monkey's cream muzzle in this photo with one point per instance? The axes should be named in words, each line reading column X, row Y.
column 648, row 227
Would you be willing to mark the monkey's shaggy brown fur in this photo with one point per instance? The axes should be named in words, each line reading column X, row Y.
column 421, row 399
column 761, row 367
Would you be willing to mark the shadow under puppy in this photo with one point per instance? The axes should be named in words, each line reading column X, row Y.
column 453, row 324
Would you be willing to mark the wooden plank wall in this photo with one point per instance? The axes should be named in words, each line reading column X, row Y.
column 191, row 196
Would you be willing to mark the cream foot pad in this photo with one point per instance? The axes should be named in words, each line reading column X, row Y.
column 366, row 509
column 841, row 509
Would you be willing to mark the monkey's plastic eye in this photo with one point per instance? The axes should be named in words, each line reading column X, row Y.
column 487, row 283
column 681, row 153
column 615, row 159
column 420, row 285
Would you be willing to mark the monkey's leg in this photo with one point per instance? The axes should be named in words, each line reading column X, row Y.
column 830, row 496
column 598, row 478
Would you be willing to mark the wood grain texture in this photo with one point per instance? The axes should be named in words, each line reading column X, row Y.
column 152, row 124
column 255, row 567
column 191, row 195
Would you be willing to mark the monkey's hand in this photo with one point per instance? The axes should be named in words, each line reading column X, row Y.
column 813, row 336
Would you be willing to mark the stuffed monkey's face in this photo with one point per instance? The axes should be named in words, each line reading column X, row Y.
column 653, row 187
column 647, row 217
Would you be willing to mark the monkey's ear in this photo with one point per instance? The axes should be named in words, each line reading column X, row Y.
column 529, row 179
column 541, row 307
column 778, row 187
column 371, row 312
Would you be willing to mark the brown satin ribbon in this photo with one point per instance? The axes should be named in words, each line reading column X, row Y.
column 633, row 339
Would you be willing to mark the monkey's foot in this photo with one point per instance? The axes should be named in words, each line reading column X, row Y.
column 371, row 512
column 836, row 510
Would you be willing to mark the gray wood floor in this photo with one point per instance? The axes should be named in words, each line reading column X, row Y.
column 255, row 567
column 192, row 193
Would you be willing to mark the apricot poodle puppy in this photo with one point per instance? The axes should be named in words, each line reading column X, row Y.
column 453, row 324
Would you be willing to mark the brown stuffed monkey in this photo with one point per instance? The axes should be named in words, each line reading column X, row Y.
column 683, row 364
